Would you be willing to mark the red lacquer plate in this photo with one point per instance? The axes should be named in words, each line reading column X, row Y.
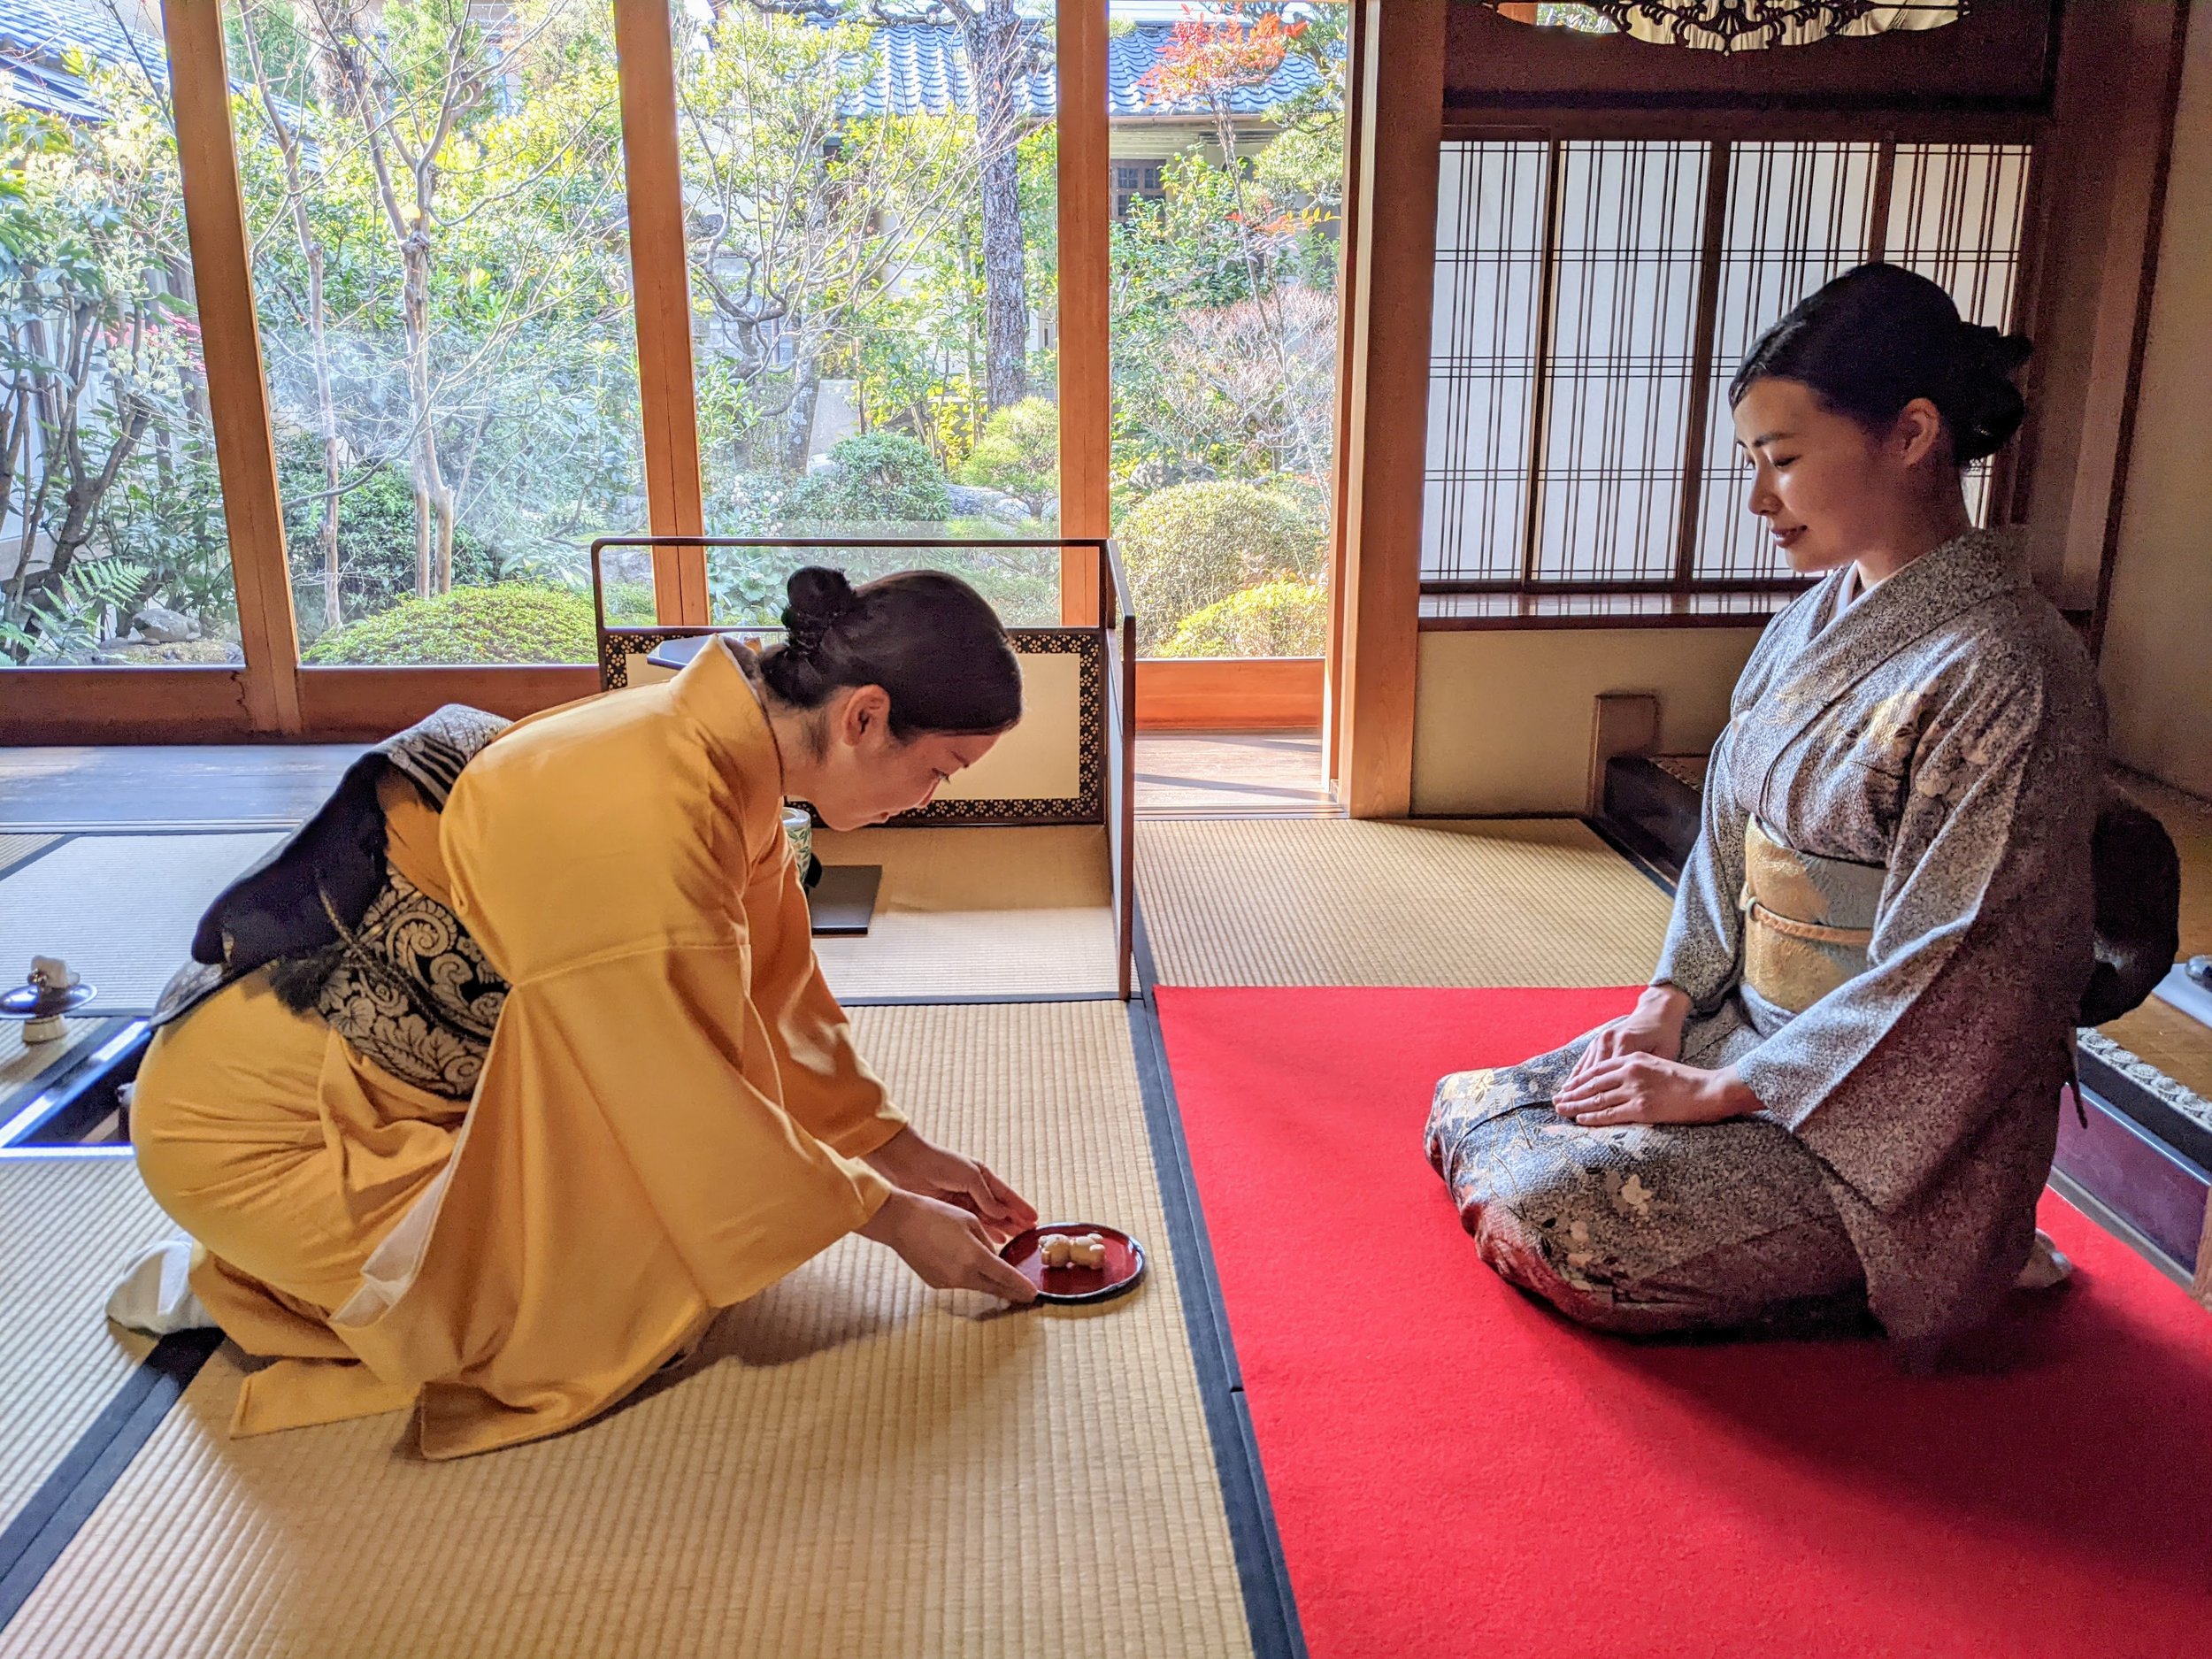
column 1124, row 1264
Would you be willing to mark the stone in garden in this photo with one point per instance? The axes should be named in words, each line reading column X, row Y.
column 161, row 626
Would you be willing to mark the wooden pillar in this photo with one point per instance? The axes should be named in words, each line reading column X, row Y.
column 237, row 392
column 1333, row 689
column 661, row 283
column 2100, row 169
column 1380, row 474
column 1086, row 375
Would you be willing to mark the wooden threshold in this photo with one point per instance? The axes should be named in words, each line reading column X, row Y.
column 366, row 704
column 126, row 705
column 1266, row 694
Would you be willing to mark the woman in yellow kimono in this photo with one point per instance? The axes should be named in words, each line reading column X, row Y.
column 511, row 1068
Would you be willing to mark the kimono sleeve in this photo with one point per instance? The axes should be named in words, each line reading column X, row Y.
column 1704, row 942
column 1981, row 946
column 826, row 1086
column 663, row 1047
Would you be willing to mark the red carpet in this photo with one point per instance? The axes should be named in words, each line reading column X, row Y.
column 1456, row 1472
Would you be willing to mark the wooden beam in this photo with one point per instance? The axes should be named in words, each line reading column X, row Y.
column 1265, row 694
column 2100, row 168
column 345, row 704
column 661, row 282
column 237, row 393
column 1086, row 211
column 1346, row 307
column 1380, row 474
column 128, row 705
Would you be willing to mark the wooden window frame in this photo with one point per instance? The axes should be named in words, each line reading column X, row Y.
column 273, row 695
column 1718, row 133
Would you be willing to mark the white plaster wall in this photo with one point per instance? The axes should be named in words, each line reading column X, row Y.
column 1502, row 720
column 2157, row 662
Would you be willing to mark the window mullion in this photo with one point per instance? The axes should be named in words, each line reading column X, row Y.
column 237, row 390
column 1540, row 399
column 661, row 287
column 1698, row 415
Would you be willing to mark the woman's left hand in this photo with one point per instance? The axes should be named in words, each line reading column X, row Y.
column 916, row 1165
column 1642, row 1089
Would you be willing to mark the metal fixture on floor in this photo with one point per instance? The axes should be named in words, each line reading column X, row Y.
column 48, row 995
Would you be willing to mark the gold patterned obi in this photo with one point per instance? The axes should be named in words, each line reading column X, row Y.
column 1808, row 920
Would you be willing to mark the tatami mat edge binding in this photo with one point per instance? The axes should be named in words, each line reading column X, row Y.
column 1270, row 1606
column 18, row 850
column 853, row 1465
column 1269, row 901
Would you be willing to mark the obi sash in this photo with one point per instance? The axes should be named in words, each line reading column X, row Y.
column 344, row 936
column 1808, row 920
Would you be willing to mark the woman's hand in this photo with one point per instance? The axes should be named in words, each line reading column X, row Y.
column 946, row 1247
column 915, row 1165
column 1654, row 1028
column 1642, row 1089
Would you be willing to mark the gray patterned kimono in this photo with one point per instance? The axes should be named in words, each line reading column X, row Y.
column 1948, row 727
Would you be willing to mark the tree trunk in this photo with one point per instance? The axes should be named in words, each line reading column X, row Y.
column 997, row 58
column 798, row 418
column 327, row 415
column 434, row 500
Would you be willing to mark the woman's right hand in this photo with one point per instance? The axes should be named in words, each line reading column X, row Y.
column 947, row 1247
column 1654, row 1027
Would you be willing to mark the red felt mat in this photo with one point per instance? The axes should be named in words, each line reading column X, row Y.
column 1456, row 1472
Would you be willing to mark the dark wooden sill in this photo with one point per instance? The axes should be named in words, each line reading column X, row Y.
column 1445, row 613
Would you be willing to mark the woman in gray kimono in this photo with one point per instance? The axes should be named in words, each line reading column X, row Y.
column 1840, row 1093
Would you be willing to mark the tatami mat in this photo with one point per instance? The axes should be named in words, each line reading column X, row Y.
column 977, row 913
column 15, row 849
column 68, row 1226
column 120, row 908
column 861, row 1468
column 1338, row 902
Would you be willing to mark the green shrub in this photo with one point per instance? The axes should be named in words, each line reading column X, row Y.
column 878, row 478
column 1286, row 617
column 376, row 539
column 1191, row 546
column 511, row 623
column 1019, row 454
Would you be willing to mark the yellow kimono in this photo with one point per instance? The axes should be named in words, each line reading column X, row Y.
column 670, row 1117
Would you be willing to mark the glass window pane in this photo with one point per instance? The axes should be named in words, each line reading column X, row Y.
column 434, row 191
column 1224, row 321
column 112, row 546
column 872, row 212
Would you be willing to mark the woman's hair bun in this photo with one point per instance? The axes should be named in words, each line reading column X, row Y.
column 1981, row 403
column 817, row 597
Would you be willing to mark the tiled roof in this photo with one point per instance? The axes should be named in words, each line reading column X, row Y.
column 1131, row 56
column 922, row 69
column 35, row 35
column 919, row 69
